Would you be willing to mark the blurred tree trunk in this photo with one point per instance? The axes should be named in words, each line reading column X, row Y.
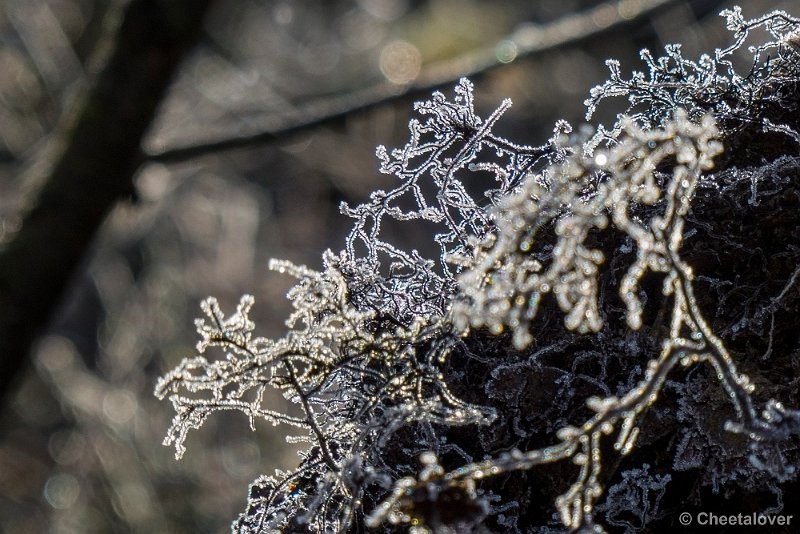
column 102, row 150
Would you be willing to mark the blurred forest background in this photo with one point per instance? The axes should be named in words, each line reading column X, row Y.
column 270, row 120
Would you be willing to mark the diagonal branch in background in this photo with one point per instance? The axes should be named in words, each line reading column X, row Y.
column 529, row 40
column 100, row 157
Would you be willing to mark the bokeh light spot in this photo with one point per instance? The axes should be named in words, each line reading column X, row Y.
column 400, row 62
column 506, row 51
column 119, row 406
column 604, row 15
column 61, row 491
column 628, row 9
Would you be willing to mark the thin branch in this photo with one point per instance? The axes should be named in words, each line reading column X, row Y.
column 530, row 40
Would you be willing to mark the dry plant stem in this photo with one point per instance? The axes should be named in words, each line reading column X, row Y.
column 312, row 424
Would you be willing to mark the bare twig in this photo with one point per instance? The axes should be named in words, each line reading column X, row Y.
column 527, row 41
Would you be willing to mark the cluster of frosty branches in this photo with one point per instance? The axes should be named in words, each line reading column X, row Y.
column 711, row 84
column 372, row 334
column 352, row 381
column 506, row 277
column 505, row 283
column 453, row 140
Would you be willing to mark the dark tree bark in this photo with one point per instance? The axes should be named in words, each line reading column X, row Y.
column 95, row 170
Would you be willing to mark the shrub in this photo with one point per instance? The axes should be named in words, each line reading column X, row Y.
column 566, row 321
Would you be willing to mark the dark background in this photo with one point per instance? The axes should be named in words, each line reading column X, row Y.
column 289, row 82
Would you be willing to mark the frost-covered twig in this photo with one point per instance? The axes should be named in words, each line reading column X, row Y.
column 352, row 381
column 711, row 84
